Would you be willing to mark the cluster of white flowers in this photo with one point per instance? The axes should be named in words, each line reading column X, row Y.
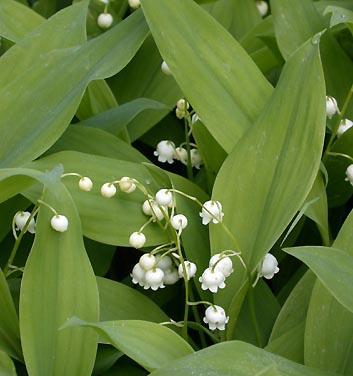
column 21, row 219
column 262, row 7
column 167, row 152
column 331, row 107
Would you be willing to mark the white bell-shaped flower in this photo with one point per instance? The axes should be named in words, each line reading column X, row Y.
column 105, row 20
column 196, row 159
column 215, row 317
column 179, row 222
column 154, row 278
column 349, row 174
column 134, row 4
column 212, row 280
column 150, row 207
column 165, row 151
column 211, row 211
column 138, row 275
column 108, row 190
column 269, row 266
column 331, row 107
column 147, row 261
column 126, row 185
column 165, row 69
column 21, row 219
column 181, row 155
column 262, row 7
column 165, row 263
column 195, row 118
column 345, row 124
column 59, row 223
column 190, row 268
column 85, row 184
column 223, row 264
column 137, row 240
column 171, row 276
column 164, row 197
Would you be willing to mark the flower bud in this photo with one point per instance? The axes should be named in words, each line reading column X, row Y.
column 147, row 261
column 126, row 185
column 182, row 105
column 137, row 240
column 196, row 160
column 165, row 69
column 215, row 317
column 262, row 7
column 85, row 184
column 190, row 268
column 150, row 207
column 345, row 124
column 195, row 118
column 179, row 222
column 105, row 20
column 108, row 190
column 164, row 197
column 349, row 174
column 134, row 4
column 59, row 223
column 331, row 107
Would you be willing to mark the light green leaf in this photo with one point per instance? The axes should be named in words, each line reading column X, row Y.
column 235, row 358
column 98, row 142
column 9, row 328
column 230, row 91
column 59, row 84
column 7, row 367
column 138, row 116
column 333, row 267
column 109, row 221
column 333, row 332
column 120, row 302
column 264, row 170
column 287, row 337
column 17, row 20
column 58, row 282
column 149, row 344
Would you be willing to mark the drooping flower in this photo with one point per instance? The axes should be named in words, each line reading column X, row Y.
column 21, row 219
column 137, row 240
column 108, row 190
column 211, row 211
column 331, row 107
column 190, row 268
column 154, row 279
column 59, row 223
column 269, row 266
column 345, row 124
column 105, row 20
column 212, row 280
column 165, row 151
column 85, row 184
column 222, row 264
column 215, row 317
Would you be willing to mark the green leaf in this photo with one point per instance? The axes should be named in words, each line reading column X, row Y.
column 98, row 142
column 333, row 267
column 58, row 282
column 109, row 221
column 17, row 20
column 7, row 367
column 150, row 345
column 227, row 109
column 9, row 328
column 264, row 170
column 59, row 84
column 295, row 22
column 235, row 358
column 333, row 331
column 138, row 116
column 287, row 337
column 120, row 302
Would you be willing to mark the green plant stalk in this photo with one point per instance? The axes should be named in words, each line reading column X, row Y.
column 339, row 119
column 18, row 240
column 198, row 320
column 188, row 149
column 253, row 316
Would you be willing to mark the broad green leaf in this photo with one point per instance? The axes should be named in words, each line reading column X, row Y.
column 58, row 282
column 333, row 267
column 235, row 358
column 287, row 336
column 97, row 98
column 333, row 332
column 7, row 367
column 17, row 20
column 120, row 302
column 138, row 116
column 106, row 357
column 109, row 221
column 100, row 256
column 150, row 345
column 295, row 22
column 230, row 91
column 143, row 78
column 96, row 141
column 9, row 328
column 265, row 194
column 60, row 77
column 237, row 16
